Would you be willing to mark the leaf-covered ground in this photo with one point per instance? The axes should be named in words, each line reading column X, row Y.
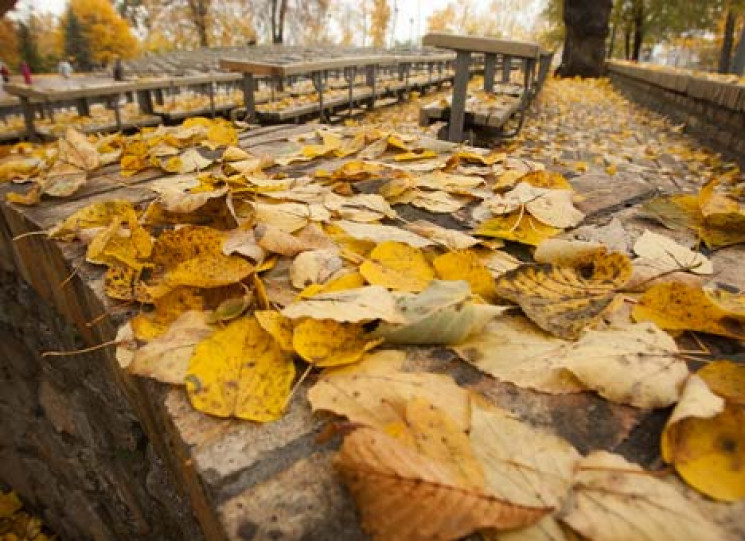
column 490, row 325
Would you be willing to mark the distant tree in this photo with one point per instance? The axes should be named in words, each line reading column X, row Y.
column 9, row 39
column 95, row 33
column 381, row 16
column 279, row 14
column 76, row 41
column 738, row 63
column 586, row 23
column 199, row 12
column 27, row 47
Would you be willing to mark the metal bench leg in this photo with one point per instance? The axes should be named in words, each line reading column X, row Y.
column 458, row 105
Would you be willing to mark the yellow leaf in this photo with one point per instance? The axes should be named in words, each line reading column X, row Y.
column 168, row 308
column 540, row 477
column 10, row 503
column 680, row 211
column 615, row 499
column 349, row 280
column 465, row 265
column 704, row 439
column 517, row 226
column 436, row 436
column 166, row 357
column 30, row 198
column 221, row 133
column 240, row 372
column 193, row 256
column 402, row 494
column 209, row 270
column 725, row 379
column 564, row 300
column 374, row 392
column 483, row 159
column 235, row 154
column 720, row 230
column 712, row 202
column 325, row 342
column 397, row 266
column 409, row 156
column 94, row 215
column 76, row 150
column 677, row 306
column 547, row 179
column 348, row 305
column 444, row 313
column 120, row 282
column 331, row 143
column 449, row 238
column 278, row 326
column 113, row 245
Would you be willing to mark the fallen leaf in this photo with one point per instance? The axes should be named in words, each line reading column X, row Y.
column 444, row 313
column 379, row 233
column 566, row 252
column 519, row 227
column 278, row 326
column 239, row 371
column 325, row 342
column 523, row 465
column 513, row 349
column 402, row 494
column 397, row 266
column 564, row 300
column 436, row 436
column 63, row 180
column 77, row 151
column 314, row 267
column 676, row 306
column 613, row 499
column 166, row 357
column 725, row 379
column 449, row 238
column 375, row 391
column 350, row 305
column 92, row 216
column 664, row 255
column 465, row 265
column 637, row 365
column 703, row 438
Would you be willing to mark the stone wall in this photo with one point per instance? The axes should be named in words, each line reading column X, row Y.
column 714, row 111
column 70, row 444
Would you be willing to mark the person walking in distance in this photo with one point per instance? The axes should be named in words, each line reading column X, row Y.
column 26, row 72
column 5, row 72
column 118, row 69
column 65, row 70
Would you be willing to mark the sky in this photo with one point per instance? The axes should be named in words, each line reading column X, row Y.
column 410, row 20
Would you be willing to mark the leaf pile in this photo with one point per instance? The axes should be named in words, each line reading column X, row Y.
column 250, row 270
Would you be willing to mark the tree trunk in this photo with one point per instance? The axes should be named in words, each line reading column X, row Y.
column 738, row 64
column 638, row 30
column 627, row 42
column 279, row 10
column 198, row 9
column 612, row 43
column 6, row 6
column 586, row 24
column 725, row 54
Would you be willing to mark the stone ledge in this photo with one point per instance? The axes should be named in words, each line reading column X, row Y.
column 714, row 111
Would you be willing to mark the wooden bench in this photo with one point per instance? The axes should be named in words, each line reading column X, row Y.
column 510, row 56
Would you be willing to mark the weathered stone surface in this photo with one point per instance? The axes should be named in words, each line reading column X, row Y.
column 305, row 501
column 605, row 194
column 71, row 445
